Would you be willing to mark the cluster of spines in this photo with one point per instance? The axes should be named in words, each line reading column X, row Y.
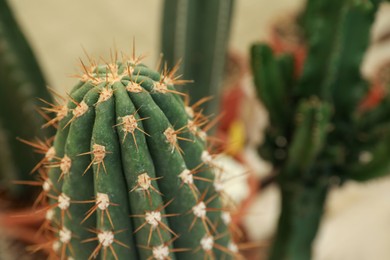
column 90, row 109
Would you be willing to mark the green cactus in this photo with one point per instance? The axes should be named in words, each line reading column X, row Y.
column 130, row 176
column 318, row 132
column 21, row 82
column 196, row 32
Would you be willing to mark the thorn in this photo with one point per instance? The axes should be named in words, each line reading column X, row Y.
column 171, row 78
column 102, row 202
column 153, row 218
column 91, row 61
column 144, row 183
column 106, row 239
column 41, row 147
column 133, row 59
column 130, row 124
column 104, row 94
column 162, row 251
column 88, row 73
column 172, row 137
column 64, row 164
column 60, row 109
column 44, row 182
column 99, row 153
column 80, row 109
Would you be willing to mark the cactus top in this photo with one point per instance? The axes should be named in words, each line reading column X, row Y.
column 130, row 176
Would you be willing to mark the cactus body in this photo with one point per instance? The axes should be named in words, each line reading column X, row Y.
column 196, row 32
column 21, row 82
column 131, row 177
column 318, row 132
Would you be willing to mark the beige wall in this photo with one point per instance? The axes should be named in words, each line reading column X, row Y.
column 58, row 29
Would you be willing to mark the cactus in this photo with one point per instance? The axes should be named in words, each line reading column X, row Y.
column 197, row 32
column 318, row 131
column 21, row 82
column 130, row 176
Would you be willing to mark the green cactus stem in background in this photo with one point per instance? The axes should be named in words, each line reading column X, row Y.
column 196, row 33
column 130, row 176
column 318, row 132
column 21, row 83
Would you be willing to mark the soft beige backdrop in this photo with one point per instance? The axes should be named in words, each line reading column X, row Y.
column 58, row 29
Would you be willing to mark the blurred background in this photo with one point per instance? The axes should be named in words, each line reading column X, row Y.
column 59, row 30
column 357, row 216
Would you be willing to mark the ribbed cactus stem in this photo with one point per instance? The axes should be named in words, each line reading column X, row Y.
column 196, row 32
column 318, row 132
column 302, row 209
column 131, row 178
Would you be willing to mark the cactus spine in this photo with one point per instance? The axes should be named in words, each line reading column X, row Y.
column 318, row 131
column 197, row 32
column 130, row 176
column 21, row 82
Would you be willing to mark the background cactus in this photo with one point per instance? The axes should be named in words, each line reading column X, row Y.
column 130, row 175
column 318, row 129
column 196, row 32
column 21, row 82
